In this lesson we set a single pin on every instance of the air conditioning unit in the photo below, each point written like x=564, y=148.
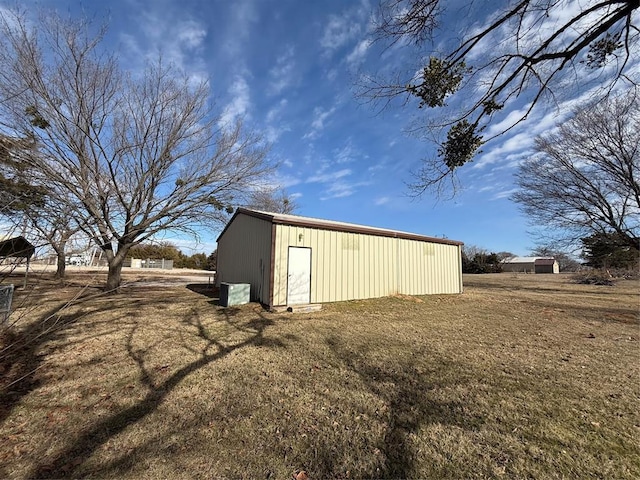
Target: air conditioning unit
x=234, y=294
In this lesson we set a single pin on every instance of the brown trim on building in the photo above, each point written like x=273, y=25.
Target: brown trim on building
x=338, y=227
x=544, y=261
x=460, y=268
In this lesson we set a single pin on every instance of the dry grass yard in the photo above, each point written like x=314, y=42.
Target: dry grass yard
x=521, y=376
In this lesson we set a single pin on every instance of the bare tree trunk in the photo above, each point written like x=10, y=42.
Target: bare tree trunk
x=115, y=261
x=114, y=277
x=59, y=248
x=62, y=265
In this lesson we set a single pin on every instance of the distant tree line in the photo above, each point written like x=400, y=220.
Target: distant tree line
x=168, y=251
x=599, y=250
x=479, y=260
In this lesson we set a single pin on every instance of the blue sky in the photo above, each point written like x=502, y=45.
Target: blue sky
x=288, y=68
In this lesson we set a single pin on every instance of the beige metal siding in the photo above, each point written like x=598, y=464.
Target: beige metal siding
x=427, y=268
x=244, y=255
x=347, y=266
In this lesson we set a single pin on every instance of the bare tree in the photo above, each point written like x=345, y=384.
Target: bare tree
x=54, y=227
x=524, y=50
x=31, y=204
x=136, y=154
x=585, y=178
x=271, y=200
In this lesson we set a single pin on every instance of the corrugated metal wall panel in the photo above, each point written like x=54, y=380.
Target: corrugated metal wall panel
x=346, y=266
x=244, y=255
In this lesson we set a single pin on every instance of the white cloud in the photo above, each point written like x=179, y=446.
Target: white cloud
x=342, y=189
x=338, y=190
x=282, y=74
x=338, y=31
x=337, y=185
x=381, y=201
x=318, y=123
x=242, y=22
x=178, y=38
x=273, y=133
x=347, y=154
x=322, y=177
x=343, y=29
x=275, y=112
x=286, y=181
x=571, y=87
x=510, y=148
x=504, y=194
x=240, y=104
x=520, y=143
x=358, y=53
x=275, y=125
x=512, y=117
x=191, y=34
x=377, y=167
x=321, y=116
x=332, y=74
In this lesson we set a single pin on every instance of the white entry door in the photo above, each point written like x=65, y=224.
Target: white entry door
x=299, y=276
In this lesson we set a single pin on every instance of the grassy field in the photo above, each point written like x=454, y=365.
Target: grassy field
x=521, y=376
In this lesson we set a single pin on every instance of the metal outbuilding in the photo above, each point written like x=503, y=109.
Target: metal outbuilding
x=293, y=260
x=531, y=265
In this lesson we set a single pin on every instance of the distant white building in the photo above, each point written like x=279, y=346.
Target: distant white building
x=531, y=265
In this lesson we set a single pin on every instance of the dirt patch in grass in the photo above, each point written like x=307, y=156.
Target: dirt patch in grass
x=520, y=376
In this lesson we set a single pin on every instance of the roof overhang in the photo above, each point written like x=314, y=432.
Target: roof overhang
x=18, y=247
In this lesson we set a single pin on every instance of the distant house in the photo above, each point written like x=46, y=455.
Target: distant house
x=531, y=265
x=292, y=260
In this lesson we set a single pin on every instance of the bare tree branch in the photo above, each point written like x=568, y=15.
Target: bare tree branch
x=485, y=76
x=270, y=199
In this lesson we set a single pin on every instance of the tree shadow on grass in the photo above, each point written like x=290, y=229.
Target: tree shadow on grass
x=411, y=394
x=70, y=460
x=206, y=289
x=22, y=355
